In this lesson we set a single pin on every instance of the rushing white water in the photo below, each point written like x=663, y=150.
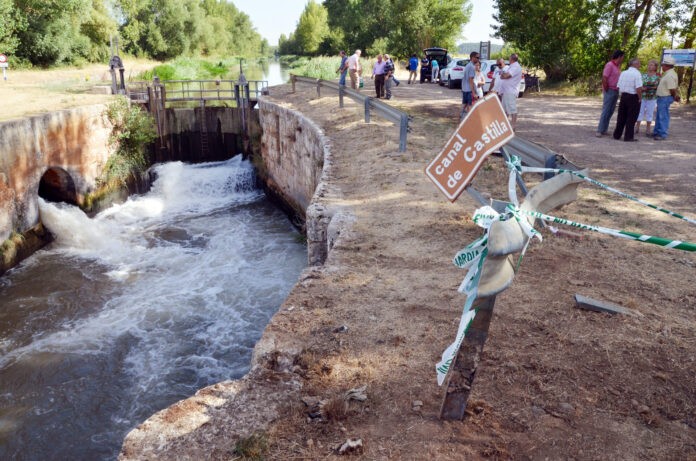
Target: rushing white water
x=141, y=305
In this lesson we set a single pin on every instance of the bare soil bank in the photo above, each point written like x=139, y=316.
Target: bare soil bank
x=555, y=382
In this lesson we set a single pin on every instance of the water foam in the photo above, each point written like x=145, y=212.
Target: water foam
x=196, y=276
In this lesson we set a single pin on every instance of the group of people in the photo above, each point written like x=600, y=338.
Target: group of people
x=639, y=96
x=382, y=73
x=505, y=83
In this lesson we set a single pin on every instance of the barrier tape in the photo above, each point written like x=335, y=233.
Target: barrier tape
x=472, y=258
x=515, y=165
x=667, y=243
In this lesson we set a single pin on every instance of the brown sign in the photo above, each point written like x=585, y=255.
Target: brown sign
x=484, y=129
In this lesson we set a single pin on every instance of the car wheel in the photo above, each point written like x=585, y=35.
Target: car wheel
x=441, y=82
x=450, y=85
x=521, y=94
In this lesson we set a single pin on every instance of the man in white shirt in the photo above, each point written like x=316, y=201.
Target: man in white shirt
x=500, y=68
x=631, y=87
x=509, y=87
x=354, y=69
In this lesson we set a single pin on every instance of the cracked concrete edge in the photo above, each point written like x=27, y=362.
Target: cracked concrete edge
x=250, y=404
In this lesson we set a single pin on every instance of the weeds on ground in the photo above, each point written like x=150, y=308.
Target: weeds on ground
x=252, y=448
x=8, y=248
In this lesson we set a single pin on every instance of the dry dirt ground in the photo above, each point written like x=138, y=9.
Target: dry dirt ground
x=28, y=92
x=555, y=382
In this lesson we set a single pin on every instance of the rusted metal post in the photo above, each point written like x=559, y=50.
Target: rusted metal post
x=463, y=371
x=340, y=96
x=292, y=80
x=318, y=88
x=367, y=110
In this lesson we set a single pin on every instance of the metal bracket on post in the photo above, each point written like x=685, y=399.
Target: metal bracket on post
x=340, y=96
x=403, y=132
x=518, y=177
x=463, y=370
x=367, y=110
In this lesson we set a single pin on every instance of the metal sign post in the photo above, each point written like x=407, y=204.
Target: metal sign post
x=485, y=50
x=4, y=65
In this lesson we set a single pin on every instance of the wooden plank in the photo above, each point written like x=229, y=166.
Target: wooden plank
x=583, y=302
x=463, y=371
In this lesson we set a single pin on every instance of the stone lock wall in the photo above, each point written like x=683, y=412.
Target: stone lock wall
x=297, y=166
x=74, y=140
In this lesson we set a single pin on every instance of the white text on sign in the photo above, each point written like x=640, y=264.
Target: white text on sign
x=484, y=130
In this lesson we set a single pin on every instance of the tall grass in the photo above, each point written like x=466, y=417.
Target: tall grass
x=323, y=67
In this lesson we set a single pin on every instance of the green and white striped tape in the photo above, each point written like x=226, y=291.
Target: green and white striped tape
x=515, y=165
x=667, y=243
x=472, y=258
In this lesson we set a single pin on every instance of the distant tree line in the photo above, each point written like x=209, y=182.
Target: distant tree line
x=574, y=38
x=45, y=33
x=399, y=27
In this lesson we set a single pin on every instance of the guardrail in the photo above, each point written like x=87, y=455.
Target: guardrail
x=370, y=104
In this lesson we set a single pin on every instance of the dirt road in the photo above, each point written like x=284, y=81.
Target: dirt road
x=554, y=382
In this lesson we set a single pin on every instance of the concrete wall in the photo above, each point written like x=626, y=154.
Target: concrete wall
x=75, y=140
x=181, y=134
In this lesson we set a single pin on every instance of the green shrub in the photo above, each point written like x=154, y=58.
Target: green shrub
x=252, y=448
x=132, y=131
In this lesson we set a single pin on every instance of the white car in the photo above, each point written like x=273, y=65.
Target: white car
x=452, y=73
x=488, y=67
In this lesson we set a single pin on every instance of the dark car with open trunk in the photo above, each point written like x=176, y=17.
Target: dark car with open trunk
x=438, y=54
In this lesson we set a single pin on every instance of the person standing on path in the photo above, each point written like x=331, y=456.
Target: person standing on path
x=354, y=69
x=424, y=64
x=500, y=67
x=435, y=70
x=610, y=77
x=469, y=85
x=343, y=69
x=480, y=80
x=666, y=95
x=648, y=101
x=412, y=69
x=378, y=75
x=630, y=86
x=510, y=87
x=389, y=75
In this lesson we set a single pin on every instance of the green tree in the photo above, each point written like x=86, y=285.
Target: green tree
x=408, y=25
x=11, y=24
x=312, y=28
x=549, y=34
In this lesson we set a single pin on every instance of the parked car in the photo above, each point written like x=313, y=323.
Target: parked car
x=488, y=67
x=452, y=74
x=438, y=54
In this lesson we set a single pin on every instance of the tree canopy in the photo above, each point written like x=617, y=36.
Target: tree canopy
x=45, y=33
x=574, y=38
x=400, y=27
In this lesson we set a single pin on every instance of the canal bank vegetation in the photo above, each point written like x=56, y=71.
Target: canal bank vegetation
x=74, y=32
x=133, y=130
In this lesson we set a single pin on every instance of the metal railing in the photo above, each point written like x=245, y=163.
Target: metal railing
x=199, y=90
x=370, y=104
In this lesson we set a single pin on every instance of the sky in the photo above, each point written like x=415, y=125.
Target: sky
x=275, y=17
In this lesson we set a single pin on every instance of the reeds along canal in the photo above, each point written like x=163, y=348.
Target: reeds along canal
x=128, y=312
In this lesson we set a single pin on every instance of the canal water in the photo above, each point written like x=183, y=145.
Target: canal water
x=137, y=308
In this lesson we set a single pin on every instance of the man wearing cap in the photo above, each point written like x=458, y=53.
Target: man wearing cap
x=630, y=86
x=666, y=95
x=610, y=77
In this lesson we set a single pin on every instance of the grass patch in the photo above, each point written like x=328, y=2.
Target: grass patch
x=586, y=86
x=252, y=448
x=8, y=249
